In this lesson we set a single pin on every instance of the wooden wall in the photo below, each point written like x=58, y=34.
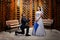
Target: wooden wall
x=7, y=12
x=56, y=14
x=2, y=14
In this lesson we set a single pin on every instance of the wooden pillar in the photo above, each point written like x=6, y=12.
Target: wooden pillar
x=15, y=9
x=21, y=9
x=31, y=13
x=35, y=5
x=49, y=9
x=12, y=9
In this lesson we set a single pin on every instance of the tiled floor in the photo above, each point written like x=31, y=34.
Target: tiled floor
x=50, y=35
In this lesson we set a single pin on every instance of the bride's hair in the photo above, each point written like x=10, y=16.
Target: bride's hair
x=39, y=7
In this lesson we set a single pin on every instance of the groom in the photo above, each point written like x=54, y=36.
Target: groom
x=24, y=25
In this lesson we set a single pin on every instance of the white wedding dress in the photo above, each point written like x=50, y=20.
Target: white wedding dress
x=40, y=30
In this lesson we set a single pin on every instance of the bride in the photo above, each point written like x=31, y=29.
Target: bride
x=38, y=18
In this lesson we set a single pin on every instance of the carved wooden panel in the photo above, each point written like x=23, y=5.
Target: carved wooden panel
x=26, y=7
x=45, y=9
x=18, y=13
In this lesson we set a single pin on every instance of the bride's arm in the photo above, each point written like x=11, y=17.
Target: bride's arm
x=39, y=17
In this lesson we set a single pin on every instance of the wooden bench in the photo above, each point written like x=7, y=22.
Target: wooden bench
x=12, y=24
x=47, y=22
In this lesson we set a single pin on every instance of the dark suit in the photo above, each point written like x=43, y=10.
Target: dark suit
x=24, y=25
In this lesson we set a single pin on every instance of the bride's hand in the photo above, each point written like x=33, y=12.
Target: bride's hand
x=36, y=20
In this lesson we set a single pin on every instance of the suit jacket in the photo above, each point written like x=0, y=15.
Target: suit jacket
x=24, y=21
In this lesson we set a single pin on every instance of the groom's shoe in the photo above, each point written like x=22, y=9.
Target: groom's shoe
x=27, y=35
x=15, y=32
x=21, y=33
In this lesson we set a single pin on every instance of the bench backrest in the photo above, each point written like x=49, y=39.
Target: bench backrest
x=12, y=22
